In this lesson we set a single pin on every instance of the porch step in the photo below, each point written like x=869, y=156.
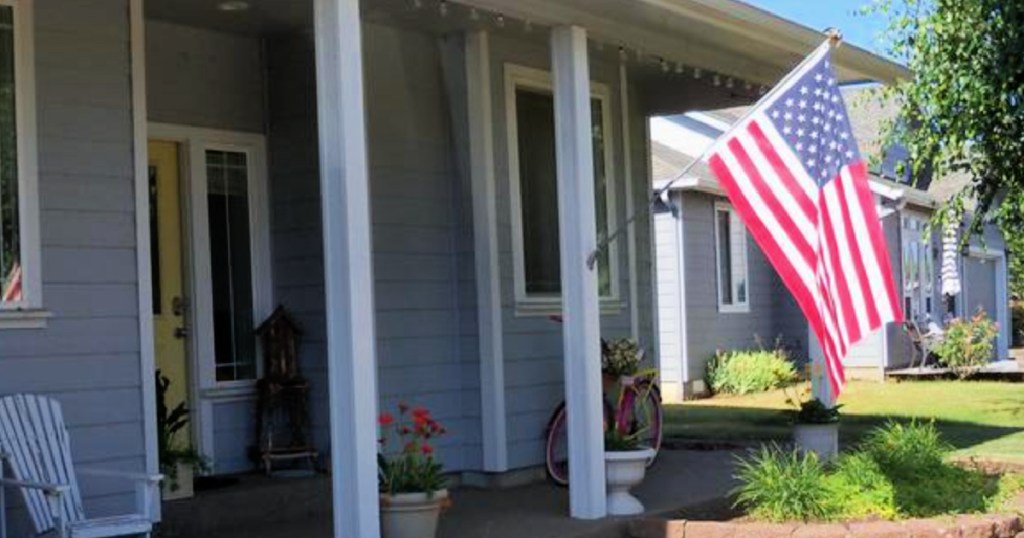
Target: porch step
x=253, y=502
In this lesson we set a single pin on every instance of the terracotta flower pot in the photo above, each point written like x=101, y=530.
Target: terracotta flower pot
x=411, y=515
x=623, y=471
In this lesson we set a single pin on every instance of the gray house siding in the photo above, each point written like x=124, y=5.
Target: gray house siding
x=710, y=330
x=88, y=355
x=533, y=344
x=204, y=78
x=420, y=282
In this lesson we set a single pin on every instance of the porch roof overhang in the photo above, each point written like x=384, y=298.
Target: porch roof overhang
x=725, y=36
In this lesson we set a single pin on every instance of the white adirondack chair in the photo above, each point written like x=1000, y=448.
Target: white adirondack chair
x=35, y=448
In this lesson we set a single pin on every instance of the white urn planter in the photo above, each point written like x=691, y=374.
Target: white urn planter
x=821, y=439
x=411, y=515
x=623, y=471
x=180, y=487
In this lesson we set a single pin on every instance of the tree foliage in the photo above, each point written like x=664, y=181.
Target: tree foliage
x=962, y=112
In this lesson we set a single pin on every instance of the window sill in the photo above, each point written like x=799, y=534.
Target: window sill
x=536, y=307
x=231, y=390
x=724, y=309
x=30, y=318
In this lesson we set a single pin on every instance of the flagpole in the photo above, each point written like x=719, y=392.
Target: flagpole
x=833, y=40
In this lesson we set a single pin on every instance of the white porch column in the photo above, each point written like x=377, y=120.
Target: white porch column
x=577, y=232
x=344, y=195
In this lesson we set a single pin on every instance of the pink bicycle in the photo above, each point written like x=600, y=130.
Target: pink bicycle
x=637, y=402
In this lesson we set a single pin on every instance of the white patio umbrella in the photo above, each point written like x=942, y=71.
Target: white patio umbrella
x=950, y=268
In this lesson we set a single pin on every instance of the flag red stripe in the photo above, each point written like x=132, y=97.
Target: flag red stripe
x=772, y=250
x=858, y=172
x=871, y=307
x=790, y=182
x=837, y=275
x=772, y=202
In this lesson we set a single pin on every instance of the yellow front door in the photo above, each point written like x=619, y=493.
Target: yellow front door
x=170, y=305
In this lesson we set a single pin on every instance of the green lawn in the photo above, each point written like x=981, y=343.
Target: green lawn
x=983, y=419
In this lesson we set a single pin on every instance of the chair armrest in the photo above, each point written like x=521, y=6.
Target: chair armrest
x=49, y=489
x=125, y=475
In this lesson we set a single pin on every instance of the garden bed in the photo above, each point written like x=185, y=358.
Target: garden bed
x=966, y=526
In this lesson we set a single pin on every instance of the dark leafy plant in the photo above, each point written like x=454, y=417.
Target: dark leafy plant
x=169, y=423
x=808, y=410
x=412, y=468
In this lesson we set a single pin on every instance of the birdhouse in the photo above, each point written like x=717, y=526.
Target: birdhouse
x=279, y=334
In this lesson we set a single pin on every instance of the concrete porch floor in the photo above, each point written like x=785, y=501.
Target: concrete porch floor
x=679, y=479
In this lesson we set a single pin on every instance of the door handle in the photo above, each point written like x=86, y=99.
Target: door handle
x=181, y=332
x=179, y=305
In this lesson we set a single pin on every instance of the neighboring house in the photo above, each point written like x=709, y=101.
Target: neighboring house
x=716, y=290
x=174, y=169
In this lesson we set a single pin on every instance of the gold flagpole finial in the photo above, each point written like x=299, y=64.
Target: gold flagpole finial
x=835, y=37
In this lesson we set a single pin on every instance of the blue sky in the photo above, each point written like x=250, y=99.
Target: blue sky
x=820, y=14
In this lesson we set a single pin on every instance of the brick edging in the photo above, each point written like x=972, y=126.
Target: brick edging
x=967, y=526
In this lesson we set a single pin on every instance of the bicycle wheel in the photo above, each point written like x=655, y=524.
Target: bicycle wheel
x=556, y=444
x=647, y=415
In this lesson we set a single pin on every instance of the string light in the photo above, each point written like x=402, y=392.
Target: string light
x=679, y=68
x=728, y=83
x=696, y=73
x=473, y=14
x=762, y=90
x=500, y=20
x=443, y=8
x=717, y=80
x=747, y=85
x=664, y=66
x=623, y=55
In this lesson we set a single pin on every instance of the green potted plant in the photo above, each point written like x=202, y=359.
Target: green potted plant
x=815, y=427
x=412, y=487
x=178, y=463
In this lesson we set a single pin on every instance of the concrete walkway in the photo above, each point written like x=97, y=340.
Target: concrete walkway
x=679, y=479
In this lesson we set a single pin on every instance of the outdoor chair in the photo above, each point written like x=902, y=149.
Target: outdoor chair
x=35, y=447
x=922, y=344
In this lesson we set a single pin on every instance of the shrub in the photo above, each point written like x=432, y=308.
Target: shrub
x=899, y=470
x=778, y=485
x=860, y=489
x=913, y=457
x=745, y=372
x=967, y=345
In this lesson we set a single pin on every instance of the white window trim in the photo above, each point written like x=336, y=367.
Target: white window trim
x=517, y=76
x=27, y=313
x=923, y=236
x=736, y=307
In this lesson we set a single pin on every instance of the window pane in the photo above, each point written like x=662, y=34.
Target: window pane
x=10, y=234
x=738, y=247
x=535, y=125
x=231, y=265
x=535, y=122
x=724, y=257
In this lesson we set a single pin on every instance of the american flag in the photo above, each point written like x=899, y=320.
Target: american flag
x=794, y=174
x=12, y=291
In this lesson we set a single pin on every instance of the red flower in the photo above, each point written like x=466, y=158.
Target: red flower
x=385, y=419
x=427, y=449
x=420, y=413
